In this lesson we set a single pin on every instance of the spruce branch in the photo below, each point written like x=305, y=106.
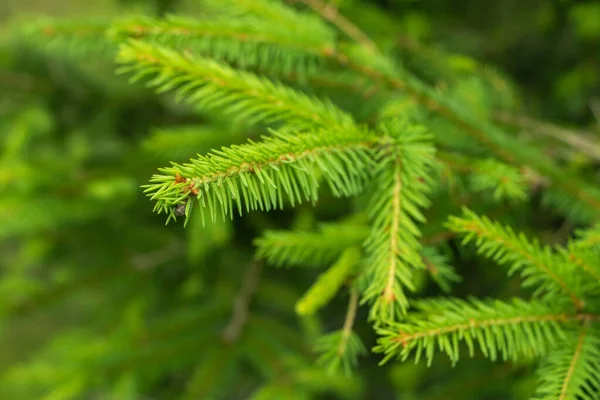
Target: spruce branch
x=486, y=134
x=511, y=330
x=247, y=43
x=75, y=38
x=309, y=248
x=217, y=87
x=572, y=370
x=538, y=265
x=393, y=245
x=258, y=175
x=583, y=253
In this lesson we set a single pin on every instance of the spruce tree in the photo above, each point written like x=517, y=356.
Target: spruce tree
x=334, y=210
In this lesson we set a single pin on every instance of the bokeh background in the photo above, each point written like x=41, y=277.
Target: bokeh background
x=99, y=300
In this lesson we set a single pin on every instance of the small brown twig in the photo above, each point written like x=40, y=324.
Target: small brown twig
x=331, y=14
x=241, y=304
x=154, y=258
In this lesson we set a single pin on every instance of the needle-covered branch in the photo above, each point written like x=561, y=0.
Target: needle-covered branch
x=572, y=371
x=511, y=330
x=247, y=43
x=288, y=166
x=217, y=87
x=399, y=195
x=291, y=248
x=539, y=266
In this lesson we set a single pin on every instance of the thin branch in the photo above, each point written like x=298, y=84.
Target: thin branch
x=242, y=303
x=437, y=238
x=20, y=81
x=154, y=258
x=331, y=14
x=431, y=268
x=579, y=140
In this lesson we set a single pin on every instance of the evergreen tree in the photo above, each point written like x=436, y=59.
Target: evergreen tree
x=334, y=208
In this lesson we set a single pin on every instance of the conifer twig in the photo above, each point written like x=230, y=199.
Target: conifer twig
x=574, y=360
x=494, y=240
x=330, y=13
x=405, y=338
x=242, y=302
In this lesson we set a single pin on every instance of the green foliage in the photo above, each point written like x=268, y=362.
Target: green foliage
x=512, y=331
x=256, y=175
x=310, y=248
x=382, y=163
x=438, y=267
x=562, y=328
x=215, y=86
x=394, y=210
x=247, y=42
x=503, y=180
x=538, y=266
x=572, y=370
x=341, y=350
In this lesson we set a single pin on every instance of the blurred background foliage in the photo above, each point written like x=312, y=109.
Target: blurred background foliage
x=98, y=299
